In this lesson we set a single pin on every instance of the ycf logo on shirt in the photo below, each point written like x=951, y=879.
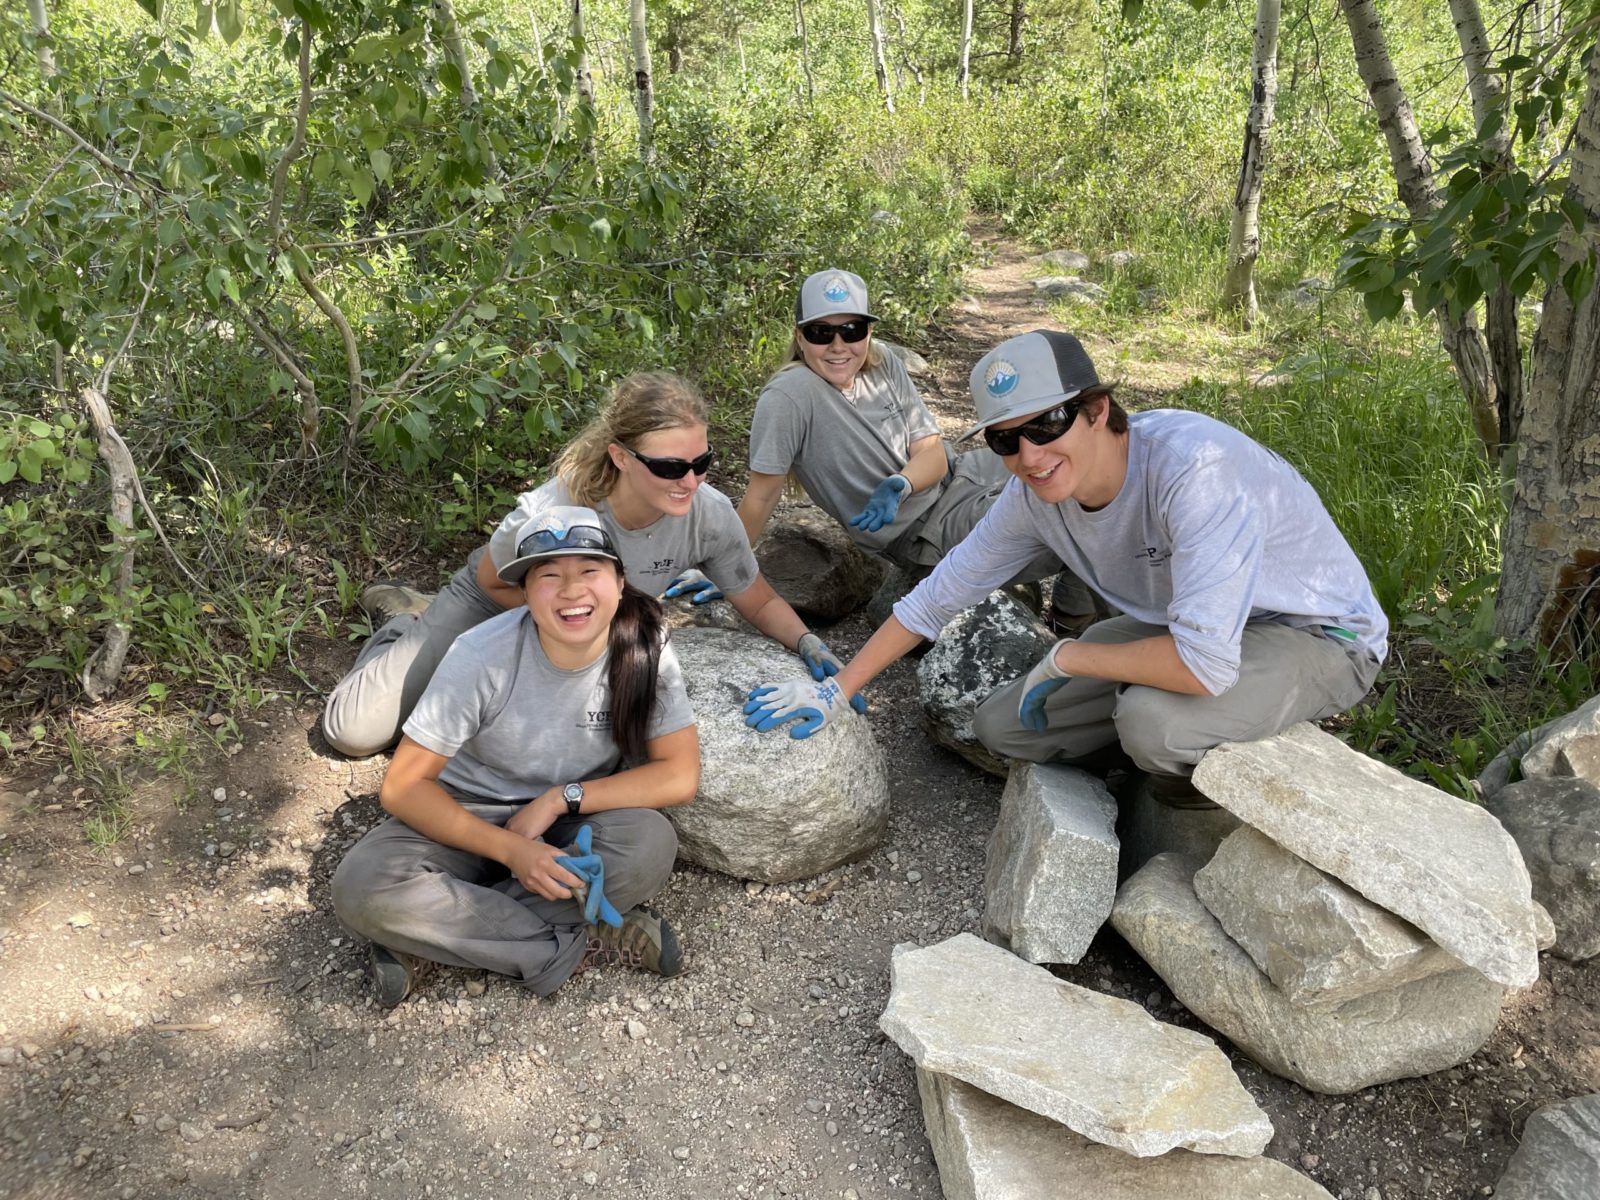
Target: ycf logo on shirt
x=595, y=720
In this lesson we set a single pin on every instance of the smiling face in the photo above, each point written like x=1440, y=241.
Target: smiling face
x=640, y=496
x=1087, y=463
x=839, y=362
x=572, y=600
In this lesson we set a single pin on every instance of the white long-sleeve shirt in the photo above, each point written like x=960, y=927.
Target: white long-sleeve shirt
x=1209, y=530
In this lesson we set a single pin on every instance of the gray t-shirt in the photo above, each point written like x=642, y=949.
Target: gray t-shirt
x=1210, y=530
x=841, y=447
x=513, y=725
x=709, y=538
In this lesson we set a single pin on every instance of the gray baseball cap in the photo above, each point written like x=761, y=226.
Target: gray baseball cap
x=1028, y=374
x=831, y=293
x=557, y=532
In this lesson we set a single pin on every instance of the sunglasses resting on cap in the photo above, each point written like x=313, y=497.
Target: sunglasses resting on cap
x=558, y=533
x=673, y=468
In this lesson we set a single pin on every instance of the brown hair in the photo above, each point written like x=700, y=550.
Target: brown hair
x=1116, y=417
x=641, y=403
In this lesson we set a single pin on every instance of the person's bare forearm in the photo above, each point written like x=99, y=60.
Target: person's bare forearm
x=770, y=613
x=1152, y=662
x=892, y=642
x=761, y=495
x=927, y=464
x=433, y=812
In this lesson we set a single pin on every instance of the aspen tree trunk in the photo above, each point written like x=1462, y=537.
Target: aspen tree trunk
x=1244, y=234
x=1413, y=177
x=584, y=79
x=42, y=53
x=964, y=71
x=905, y=55
x=1500, y=305
x=880, y=64
x=805, y=48
x=1548, y=580
x=1019, y=17
x=538, y=38
x=644, y=93
x=104, y=668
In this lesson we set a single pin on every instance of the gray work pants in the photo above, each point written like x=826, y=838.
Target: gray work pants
x=1285, y=675
x=367, y=708
x=410, y=893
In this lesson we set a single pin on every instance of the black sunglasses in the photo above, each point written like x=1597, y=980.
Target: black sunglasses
x=819, y=334
x=674, y=468
x=1041, y=431
x=577, y=540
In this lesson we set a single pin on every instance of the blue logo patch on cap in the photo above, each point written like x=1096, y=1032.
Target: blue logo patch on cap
x=837, y=291
x=1000, y=379
x=553, y=526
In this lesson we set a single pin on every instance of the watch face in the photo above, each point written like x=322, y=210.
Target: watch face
x=573, y=791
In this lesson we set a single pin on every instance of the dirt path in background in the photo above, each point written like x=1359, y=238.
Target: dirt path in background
x=181, y=1016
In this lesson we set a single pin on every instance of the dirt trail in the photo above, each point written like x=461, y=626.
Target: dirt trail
x=181, y=1016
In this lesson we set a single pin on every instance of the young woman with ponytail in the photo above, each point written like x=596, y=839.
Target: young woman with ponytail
x=563, y=721
x=641, y=465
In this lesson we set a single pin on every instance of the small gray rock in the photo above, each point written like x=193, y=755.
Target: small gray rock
x=1556, y=823
x=1062, y=260
x=1559, y=1158
x=1070, y=287
x=193, y=1131
x=913, y=362
x=1579, y=759
x=1534, y=753
x=1120, y=260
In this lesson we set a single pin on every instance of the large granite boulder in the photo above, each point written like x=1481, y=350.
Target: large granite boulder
x=1319, y=942
x=1535, y=752
x=1414, y=1029
x=1101, y=1066
x=1556, y=823
x=1559, y=1158
x=771, y=808
x=991, y=643
x=1051, y=872
x=987, y=1149
x=1443, y=864
x=812, y=563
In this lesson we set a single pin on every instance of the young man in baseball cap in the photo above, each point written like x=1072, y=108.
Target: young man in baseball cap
x=1243, y=609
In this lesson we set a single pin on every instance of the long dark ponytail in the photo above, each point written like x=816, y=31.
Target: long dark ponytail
x=638, y=632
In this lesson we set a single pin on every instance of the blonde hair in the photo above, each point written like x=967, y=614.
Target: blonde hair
x=795, y=358
x=638, y=404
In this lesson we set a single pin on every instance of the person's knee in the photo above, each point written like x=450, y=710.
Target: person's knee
x=996, y=724
x=351, y=735
x=640, y=846
x=1149, y=726
x=356, y=901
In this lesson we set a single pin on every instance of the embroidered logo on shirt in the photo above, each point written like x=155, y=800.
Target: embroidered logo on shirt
x=837, y=290
x=1155, y=555
x=596, y=722
x=661, y=564
x=1000, y=378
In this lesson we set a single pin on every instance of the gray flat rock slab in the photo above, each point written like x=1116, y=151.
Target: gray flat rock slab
x=1443, y=864
x=987, y=1149
x=1414, y=1029
x=1098, y=1065
x=1556, y=823
x=1320, y=942
x=1559, y=1158
x=771, y=808
x=1534, y=753
x=1051, y=873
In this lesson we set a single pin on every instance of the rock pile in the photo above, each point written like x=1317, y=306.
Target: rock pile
x=770, y=808
x=1025, y=1078
x=1360, y=927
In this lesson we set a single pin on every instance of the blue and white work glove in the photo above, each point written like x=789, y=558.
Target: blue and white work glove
x=1044, y=679
x=883, y=504
x=816, y=704
x=819, y=660
x=695, y=585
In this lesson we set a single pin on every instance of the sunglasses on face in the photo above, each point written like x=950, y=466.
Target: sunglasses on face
x=674, y=468
x=579, y=539
x=822, y=335
x=1041, y=431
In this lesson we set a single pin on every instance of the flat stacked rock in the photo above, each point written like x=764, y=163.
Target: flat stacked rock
x=1033, y=1088
x=812, y=563
x=1051, y=873
x=771, y=808
x=989, y=644
x=1360, y=927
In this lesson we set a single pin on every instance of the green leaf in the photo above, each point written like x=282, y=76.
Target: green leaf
x=29, y=462
x=153, y=7
x=381, y=164
x=1131, y=10
x=8, y=469
x=450, y=78
x=369, y=49
x=230, y=21
x=361, y=185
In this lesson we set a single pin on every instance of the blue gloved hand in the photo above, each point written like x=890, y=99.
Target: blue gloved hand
x=695, y=585
x=816, y=704
x=1044, y=679
x=883, y=504
x=587, y=866
x=822, y=663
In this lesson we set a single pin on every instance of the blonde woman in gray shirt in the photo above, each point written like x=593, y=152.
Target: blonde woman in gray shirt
x=641, y=465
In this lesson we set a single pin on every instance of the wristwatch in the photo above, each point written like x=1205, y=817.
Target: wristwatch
x=573, y=795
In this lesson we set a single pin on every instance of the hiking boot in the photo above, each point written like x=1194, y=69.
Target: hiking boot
x=387, y=599
x=394, y=974
x=1179, y=791
x=645, y=942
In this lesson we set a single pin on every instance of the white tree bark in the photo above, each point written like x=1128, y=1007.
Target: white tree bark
x=104, y=668
x=1500, y=305
x=805, y=49
x=584, y=80
x=1413, y=176
x=1550, y=577
x=644, y=93
x=964, y=71
x=42, y=53
x=880, y=64
x=1244, y=233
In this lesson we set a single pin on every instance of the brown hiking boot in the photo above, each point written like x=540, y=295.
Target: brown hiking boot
x=386, y=599
x=645, y=942
x=395, y=973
